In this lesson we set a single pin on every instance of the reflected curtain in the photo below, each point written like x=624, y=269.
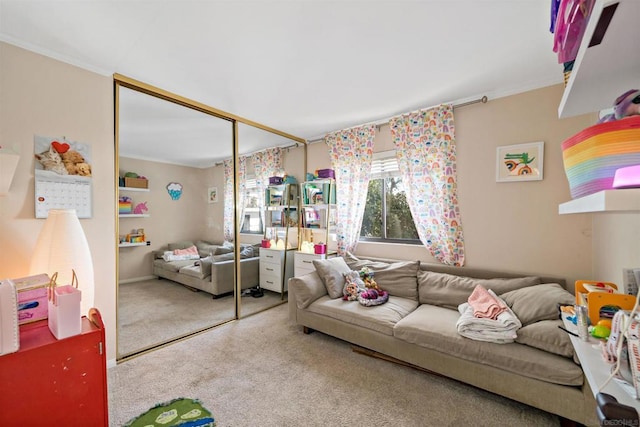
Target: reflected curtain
x=351, y=153
x=266, y=163
x=228, y=195
x=426, y=154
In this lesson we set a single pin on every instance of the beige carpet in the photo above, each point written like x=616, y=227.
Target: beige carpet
x=158, y=310
x=263, y=371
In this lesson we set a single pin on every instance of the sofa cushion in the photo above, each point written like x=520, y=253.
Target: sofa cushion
x=331, y=272
x=450, y=291
x=535, y=303
x=205, y=248
x=379, y=318
x=246, y=251
x=180, y=245
x=398, y=278
x=546, y=336
x=174, y=266
x=307, y=290
x=224, y=257
x=194, y=271
x=434, y=327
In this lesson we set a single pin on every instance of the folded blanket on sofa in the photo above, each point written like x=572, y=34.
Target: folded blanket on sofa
x=484, y=304
x=500, y=330
x=169, y=256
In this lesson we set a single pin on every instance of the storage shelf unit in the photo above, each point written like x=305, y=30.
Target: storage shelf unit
x=605, y=71
x=317, y=212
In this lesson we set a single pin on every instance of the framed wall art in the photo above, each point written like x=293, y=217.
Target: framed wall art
x=212, y=195
x=520, y=162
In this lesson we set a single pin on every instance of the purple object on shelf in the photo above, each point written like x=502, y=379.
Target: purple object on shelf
x=275, y=180
x=627, y=177
x=326, y=173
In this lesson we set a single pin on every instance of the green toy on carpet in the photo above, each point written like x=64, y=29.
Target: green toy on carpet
x=181, y=412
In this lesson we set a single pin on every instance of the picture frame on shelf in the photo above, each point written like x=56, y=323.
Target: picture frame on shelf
x=520, y=162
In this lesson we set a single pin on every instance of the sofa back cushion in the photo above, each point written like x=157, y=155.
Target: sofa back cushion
x=536, y=303
x=397, y=278
x=450, y=291
x=180, y=245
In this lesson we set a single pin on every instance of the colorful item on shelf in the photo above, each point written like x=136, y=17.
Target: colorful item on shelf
x=592, y=156
x=571, y=22
x=326, y=173
x=627, y=104
x=628, y=177
x=124, y=205
x=275, y=180
x=140, y=208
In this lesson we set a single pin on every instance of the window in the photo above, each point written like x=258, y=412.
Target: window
x=252, y=223
x=387, y=216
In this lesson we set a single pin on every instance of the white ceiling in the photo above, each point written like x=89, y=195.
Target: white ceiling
x=303, y=67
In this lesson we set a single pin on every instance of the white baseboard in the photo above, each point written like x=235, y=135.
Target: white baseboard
x=111, y=363
x=137, y=279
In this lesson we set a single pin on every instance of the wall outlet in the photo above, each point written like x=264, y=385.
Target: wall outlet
x=630, y=279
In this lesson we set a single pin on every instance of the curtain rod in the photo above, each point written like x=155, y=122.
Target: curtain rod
x=386, y=121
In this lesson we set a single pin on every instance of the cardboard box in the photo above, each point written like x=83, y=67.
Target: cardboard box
x=136, y=182
x=32, y=298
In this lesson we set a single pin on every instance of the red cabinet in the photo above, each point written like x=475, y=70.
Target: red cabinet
x=56, y=382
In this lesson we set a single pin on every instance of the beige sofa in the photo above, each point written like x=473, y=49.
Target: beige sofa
x=213, y=271
x=417, y=325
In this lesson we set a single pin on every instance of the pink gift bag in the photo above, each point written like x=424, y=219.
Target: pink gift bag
x=65, y=319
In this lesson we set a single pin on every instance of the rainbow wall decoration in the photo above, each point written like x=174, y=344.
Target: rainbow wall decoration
x=592, y=156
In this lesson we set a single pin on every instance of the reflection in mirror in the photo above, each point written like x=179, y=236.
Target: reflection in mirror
x=172, y=259
x=268, y=212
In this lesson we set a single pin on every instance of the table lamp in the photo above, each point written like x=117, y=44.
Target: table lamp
x=63, y=248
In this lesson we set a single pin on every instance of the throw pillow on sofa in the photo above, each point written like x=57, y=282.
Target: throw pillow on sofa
x=546, y=336
x=450, y=291
x=331, y=272
x=535, y=303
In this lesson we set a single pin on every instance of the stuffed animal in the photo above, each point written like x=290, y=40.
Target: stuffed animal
x=627, y=104
x=366, y=274
x=353, y=286
x=371, y=297
x=51, y=161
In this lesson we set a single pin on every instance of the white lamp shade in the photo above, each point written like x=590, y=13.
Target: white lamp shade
x=63, y=248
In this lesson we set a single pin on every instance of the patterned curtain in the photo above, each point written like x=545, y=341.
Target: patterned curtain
x=426, y=153
x=228, y=195
x=266, y=164
x=351, y=152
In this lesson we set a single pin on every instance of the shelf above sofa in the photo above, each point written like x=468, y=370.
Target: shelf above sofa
x=606, y=70
x=621, y=200
x=133, y=215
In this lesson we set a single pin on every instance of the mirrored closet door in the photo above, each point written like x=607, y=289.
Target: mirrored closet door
x=186, y=177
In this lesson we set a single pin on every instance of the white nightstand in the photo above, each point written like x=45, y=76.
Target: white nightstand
x=304, y=262
x=275, y=269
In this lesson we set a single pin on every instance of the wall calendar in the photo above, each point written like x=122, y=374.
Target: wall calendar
x=62, y=176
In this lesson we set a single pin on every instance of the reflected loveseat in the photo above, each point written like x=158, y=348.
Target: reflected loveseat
x=213, y=269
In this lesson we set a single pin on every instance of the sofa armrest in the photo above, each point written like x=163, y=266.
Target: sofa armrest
x=306, y=289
